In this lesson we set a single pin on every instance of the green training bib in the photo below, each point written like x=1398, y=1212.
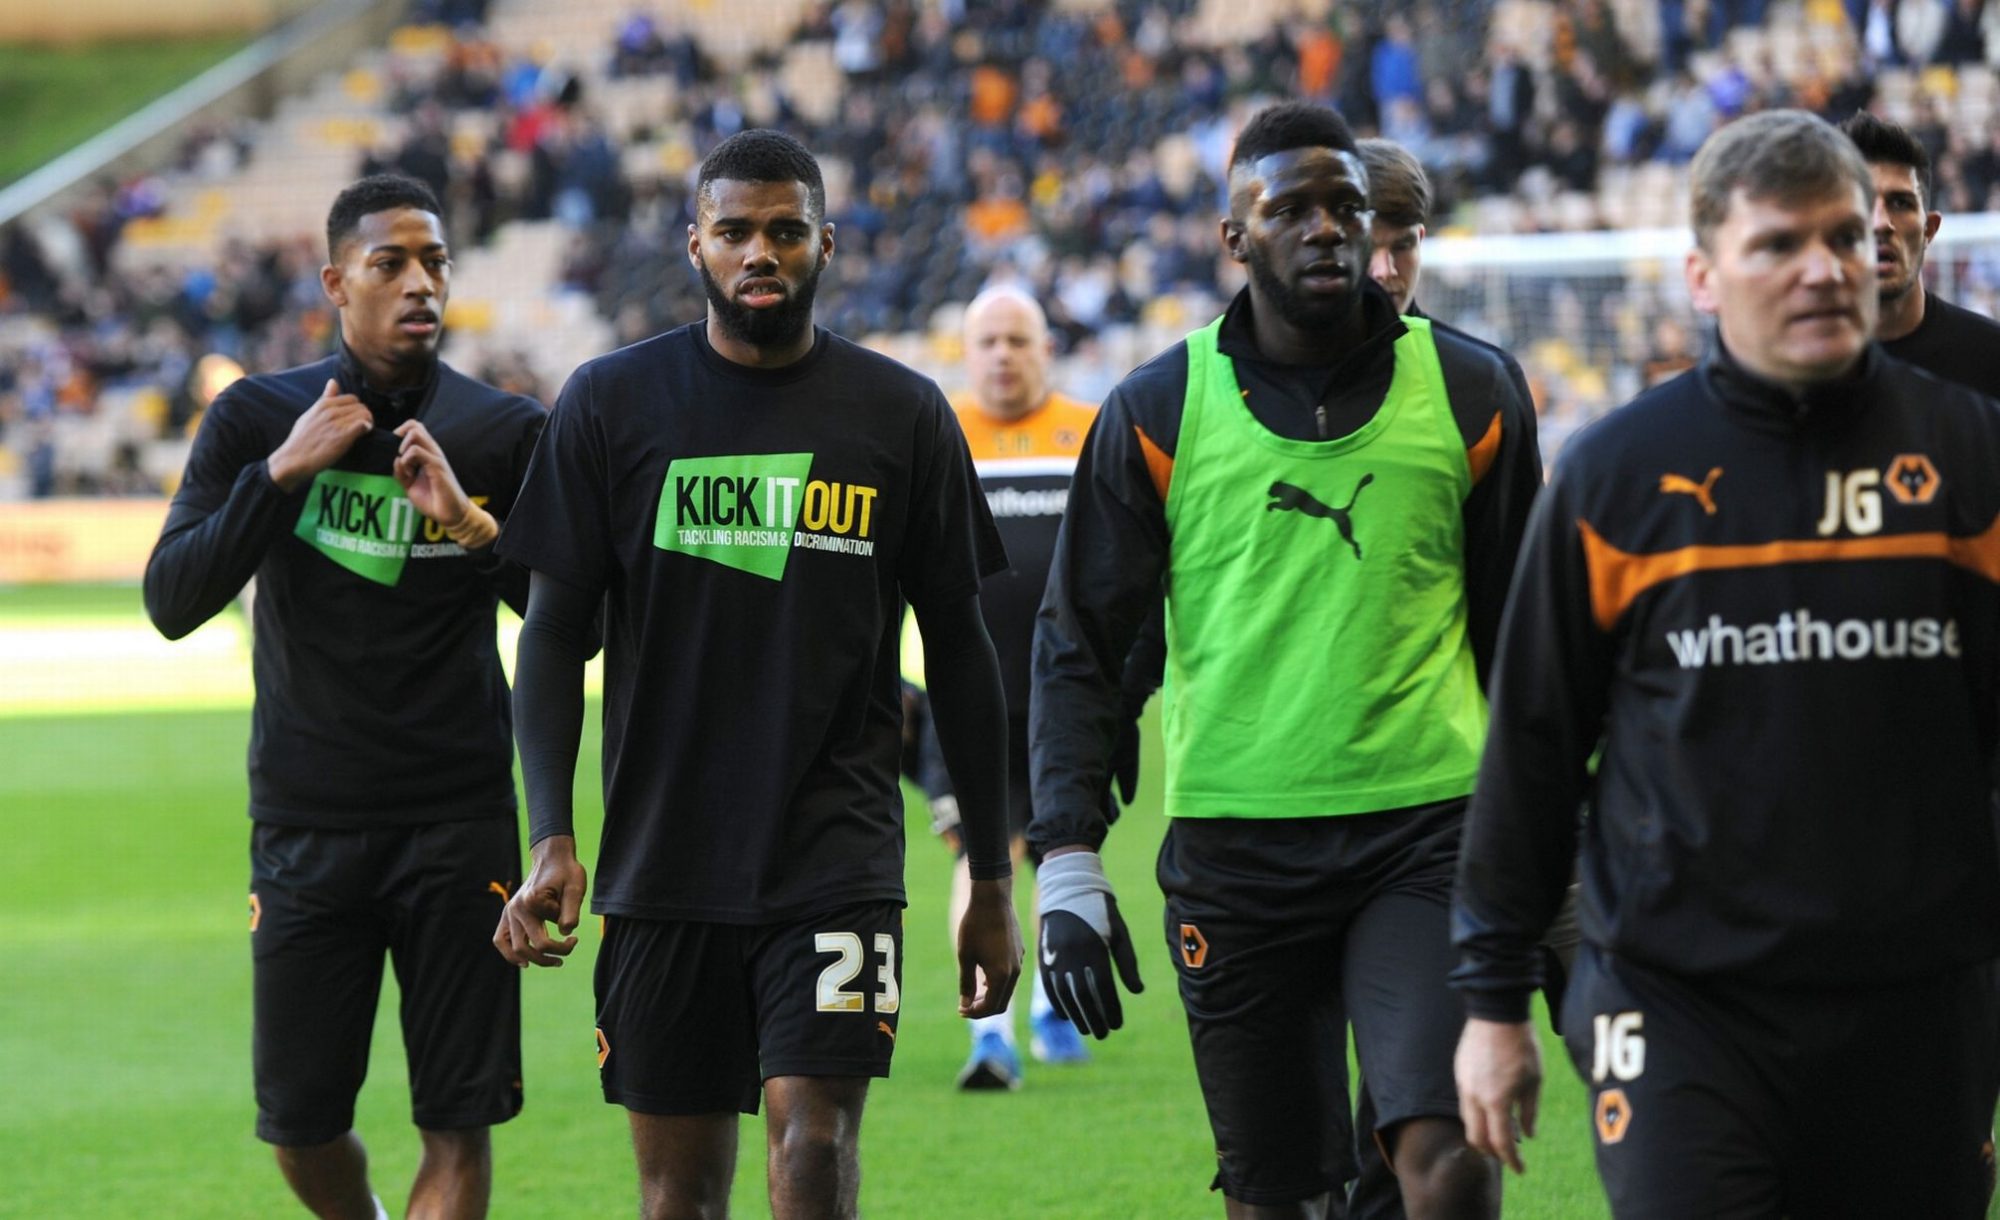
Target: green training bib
x=1317, y=656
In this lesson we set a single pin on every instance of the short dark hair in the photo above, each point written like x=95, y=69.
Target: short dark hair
x=375, y=193
x=1783, y=155
x=1884, y=143
x=1398, y=188
x=763, y=155
x=1290, y=125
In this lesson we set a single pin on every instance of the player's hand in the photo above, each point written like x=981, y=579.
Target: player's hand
x=319, y=438
x=989, y=950
x=1083, y=935
x=427, y=479
x=553, y=891
x=1499, y=1070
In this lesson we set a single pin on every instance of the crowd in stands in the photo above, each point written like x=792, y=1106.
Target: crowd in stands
x=1075, y=149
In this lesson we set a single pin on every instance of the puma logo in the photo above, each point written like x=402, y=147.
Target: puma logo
x=1285, y=497
x=884, y=1027
x=498, y=888
x=1703, y=492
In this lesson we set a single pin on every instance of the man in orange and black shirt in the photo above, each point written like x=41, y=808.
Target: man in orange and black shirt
x=1024, y=438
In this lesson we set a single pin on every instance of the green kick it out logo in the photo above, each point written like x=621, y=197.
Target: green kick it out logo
x=363, y=522
x=751, y=512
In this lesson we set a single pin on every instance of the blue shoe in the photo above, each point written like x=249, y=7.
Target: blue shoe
x=1056, y=1041
x=994, y=1065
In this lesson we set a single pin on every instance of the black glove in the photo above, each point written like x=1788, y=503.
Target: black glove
x=1082, y=937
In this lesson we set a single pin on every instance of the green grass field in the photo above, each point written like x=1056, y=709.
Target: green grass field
x=57, y=97
x=125, y=1011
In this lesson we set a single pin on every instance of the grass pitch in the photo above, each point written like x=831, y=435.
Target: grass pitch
x=57, y=97
x=125, y=1012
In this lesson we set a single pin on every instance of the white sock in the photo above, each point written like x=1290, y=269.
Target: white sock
x=998, y=1023
x=1038, y=1001
x=381, y=1212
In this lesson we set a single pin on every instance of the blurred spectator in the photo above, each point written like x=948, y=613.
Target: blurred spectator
x=1920, y=28
x=857, y=33
x=1392, y=66
x=426, y=155
x=1875, y=21
x=1691, y=116
x=1509, y=106
x=1964, y=38
x=510, y=371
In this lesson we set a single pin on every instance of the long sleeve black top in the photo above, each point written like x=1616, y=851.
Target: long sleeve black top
x=380, y=697
x=1778, y=616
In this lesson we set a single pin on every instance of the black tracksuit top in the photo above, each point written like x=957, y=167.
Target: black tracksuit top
x=1778, y=615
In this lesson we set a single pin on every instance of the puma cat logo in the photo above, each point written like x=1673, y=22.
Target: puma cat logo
x=1678, y=484
x=1286, y=497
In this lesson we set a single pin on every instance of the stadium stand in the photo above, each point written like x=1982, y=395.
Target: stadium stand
x=1073, y=147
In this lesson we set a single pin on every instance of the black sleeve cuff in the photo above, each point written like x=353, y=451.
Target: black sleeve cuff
x=1065, y=832
x=1509, y=1005
x=547, y=826
x=990, y=872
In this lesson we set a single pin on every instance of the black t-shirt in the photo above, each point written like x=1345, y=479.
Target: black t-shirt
x=754, y=532
x=1955, y=344
x=380, y=697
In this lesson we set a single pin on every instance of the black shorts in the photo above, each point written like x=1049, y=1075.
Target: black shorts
x=1718, y=1099
x=325, y=906
x=692, y=1018
x=1284, y=931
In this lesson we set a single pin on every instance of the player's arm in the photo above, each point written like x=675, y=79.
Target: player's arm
x=556, y=640
x=1497, y=419
x=233, y=504
x=1550, y=689
x=969, y=709
x=1104, y=581
x=560, y=529
x=950, y=546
